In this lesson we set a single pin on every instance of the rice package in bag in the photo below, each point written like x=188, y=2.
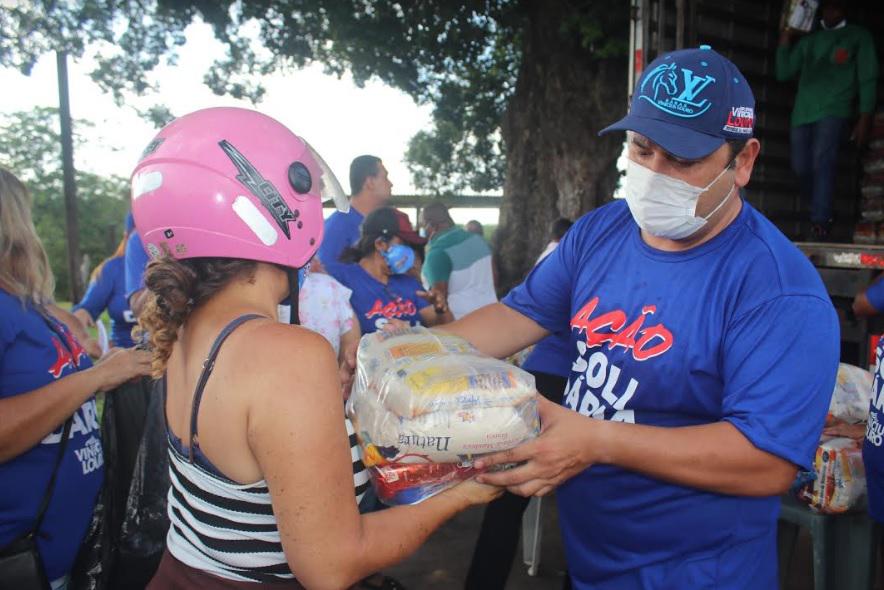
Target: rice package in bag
x=852, y=394
x=426, y=404
x=840, y=483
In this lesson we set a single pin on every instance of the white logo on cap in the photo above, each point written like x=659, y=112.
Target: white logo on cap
x=663, y=88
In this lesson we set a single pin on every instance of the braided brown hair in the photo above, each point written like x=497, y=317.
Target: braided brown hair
x=175, y=288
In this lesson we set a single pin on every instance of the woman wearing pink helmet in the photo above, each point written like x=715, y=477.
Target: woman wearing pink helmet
x=228, y=203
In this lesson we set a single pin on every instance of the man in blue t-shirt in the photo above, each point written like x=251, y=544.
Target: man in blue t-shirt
x=870, y=302
x=370, y=189
x=703, y=353
x=873, y=446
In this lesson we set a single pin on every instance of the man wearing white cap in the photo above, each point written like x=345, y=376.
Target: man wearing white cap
x=703, y=351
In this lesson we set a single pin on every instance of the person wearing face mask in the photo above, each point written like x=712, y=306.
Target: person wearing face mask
x=376, y=271
x=834, y=65
x=703, y=350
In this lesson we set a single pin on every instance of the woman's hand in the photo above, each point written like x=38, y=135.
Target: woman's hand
x=85, y=317
x=393, y=324
x=347, y=370
x=120, y=365
x=92, y=347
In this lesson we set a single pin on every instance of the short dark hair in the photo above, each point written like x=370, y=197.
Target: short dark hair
x=842, y=4
x=559, y=227
x=475, y=224
x=436, y=212
x=360, y=169
x=736, y=146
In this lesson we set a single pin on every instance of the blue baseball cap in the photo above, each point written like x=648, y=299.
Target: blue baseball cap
x=689, y=102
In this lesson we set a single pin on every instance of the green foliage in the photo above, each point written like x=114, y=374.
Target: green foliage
x=32, y=150
x=461, y=57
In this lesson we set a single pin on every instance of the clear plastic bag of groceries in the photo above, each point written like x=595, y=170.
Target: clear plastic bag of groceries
x=426, y=405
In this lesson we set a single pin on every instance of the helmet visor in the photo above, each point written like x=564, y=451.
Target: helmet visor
x=329, y=187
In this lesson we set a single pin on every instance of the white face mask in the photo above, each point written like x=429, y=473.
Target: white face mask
x=664, y=206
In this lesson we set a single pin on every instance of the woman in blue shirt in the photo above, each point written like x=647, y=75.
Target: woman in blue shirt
x=107, y=290
x=376, y=274
x=46, y=378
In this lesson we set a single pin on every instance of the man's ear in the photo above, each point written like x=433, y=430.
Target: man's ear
x=369, y=183
x=745, y=162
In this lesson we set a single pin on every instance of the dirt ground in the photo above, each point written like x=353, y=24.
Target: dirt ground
x=442, y=563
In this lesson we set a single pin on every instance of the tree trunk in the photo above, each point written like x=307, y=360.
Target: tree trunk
x=557, y=166
x=72, y=224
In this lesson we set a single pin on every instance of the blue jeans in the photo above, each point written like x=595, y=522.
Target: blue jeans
x=814, y=155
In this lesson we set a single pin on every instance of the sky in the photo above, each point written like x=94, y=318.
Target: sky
x=339, y=119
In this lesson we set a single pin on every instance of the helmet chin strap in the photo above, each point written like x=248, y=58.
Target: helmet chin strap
x=294, y=319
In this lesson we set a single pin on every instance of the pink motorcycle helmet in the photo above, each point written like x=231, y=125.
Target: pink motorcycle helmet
x=232, y=183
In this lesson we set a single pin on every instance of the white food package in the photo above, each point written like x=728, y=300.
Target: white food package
x=422, y=397
x=840, y=483
x=801, y=14
x=852, y=394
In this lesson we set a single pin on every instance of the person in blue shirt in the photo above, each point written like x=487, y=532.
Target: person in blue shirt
x=375, y=270
x=703, y=353
x=107, y=290
x=498, y=538
x=870, y=301
x=370, y=188
x=46, y=378
x=873, y=447
x=135, y=261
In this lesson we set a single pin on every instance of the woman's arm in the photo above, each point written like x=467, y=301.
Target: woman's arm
x=431, y=317
x=84, y=316
x=347, y=356
x=297, y=435
x=96, y=299
x=29, y=417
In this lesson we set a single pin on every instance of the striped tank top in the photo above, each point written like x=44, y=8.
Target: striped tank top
x=222, y=527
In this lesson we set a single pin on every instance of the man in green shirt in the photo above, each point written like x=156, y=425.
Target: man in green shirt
x=834, y=65
x=458, y=263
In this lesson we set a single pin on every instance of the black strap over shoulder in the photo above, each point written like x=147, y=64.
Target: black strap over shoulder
x=208, y=366
x=50, y=487
x=65, y=434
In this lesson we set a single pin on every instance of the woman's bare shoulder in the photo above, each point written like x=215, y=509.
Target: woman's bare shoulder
x=278, y=358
